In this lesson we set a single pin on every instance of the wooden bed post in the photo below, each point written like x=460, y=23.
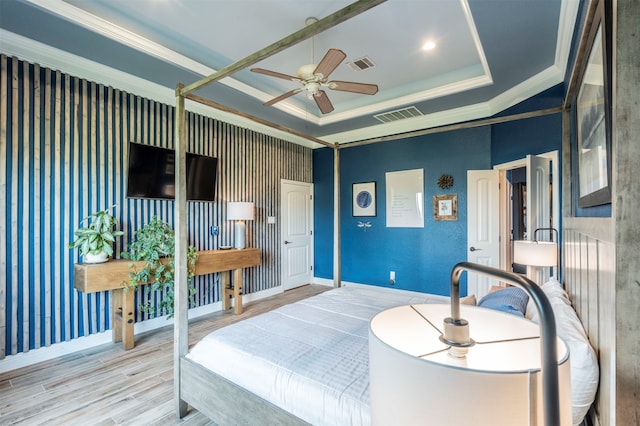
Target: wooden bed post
x=337, y=265
x=181, y=304
x=181, y=298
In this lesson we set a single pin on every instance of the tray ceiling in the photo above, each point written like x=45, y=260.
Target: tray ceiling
x=488, y=54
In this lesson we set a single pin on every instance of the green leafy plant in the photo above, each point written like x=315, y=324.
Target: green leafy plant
x=98, y=236
x=155, y=245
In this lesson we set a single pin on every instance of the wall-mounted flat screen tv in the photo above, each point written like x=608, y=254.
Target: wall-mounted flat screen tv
x=151, y=174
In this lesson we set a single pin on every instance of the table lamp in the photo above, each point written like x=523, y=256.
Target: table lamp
x=240, y=211
x=537, y=253
x=428, y=365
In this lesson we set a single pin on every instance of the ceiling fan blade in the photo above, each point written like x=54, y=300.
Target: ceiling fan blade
x=329, y=62
x=350, y=86
x=283, y=96
x=274, y=74
x=323, y=102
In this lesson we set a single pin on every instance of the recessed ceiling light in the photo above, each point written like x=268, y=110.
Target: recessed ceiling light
x=429, y=45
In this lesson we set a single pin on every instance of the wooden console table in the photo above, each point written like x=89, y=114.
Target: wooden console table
x=91, y=278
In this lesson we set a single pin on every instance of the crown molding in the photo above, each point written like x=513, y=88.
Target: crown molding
x=68, y=63
x=527, y=89
x=119, y=34
x=449, y=89
x=531, y=87
x=456, y=115
x=568, y=15
x=151, y=48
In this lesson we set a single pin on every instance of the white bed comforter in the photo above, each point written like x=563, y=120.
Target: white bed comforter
x=310, y=358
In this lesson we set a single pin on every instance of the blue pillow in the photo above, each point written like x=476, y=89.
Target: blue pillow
x=511, y=299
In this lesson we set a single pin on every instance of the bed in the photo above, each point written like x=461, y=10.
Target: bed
x=324, y=367
x=308, y=362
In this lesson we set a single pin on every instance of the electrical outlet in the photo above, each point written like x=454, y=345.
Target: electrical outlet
x=392, y=277
x=214, y=230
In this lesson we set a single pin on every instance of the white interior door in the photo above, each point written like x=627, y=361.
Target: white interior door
x=538, y=207
x=483, y=234
x=296, y=233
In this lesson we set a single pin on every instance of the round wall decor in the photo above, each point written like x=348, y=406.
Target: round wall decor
x=445, y=181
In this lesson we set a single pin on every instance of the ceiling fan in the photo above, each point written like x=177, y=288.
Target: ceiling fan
x=314, y=77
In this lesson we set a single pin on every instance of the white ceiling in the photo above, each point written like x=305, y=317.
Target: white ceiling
x=489, y=55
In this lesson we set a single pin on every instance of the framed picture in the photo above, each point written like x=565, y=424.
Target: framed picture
x=404, y=190
x=445, y=207
x=592, y=123
x=364, y=199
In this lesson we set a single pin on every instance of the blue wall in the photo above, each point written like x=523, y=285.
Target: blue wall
x=323, y=212
x=422, y=258
x=513, y=140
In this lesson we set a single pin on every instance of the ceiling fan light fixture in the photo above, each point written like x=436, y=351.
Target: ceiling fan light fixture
x=305, y=72
x=312, y=89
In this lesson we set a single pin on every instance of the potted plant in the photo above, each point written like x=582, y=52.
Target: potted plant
x=155, y=245
x=95, y=241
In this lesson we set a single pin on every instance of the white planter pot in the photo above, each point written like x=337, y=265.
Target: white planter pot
x=95, y=258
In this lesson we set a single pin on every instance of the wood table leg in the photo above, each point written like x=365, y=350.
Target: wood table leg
x=116, y=314
x=225, y=282
x=237, y=291
x=122, y=319
x=128, y=321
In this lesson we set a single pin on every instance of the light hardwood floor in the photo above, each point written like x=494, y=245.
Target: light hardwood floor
x=107, y=385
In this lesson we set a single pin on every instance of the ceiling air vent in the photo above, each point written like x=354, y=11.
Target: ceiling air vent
x=361, y=64
x=399, y=114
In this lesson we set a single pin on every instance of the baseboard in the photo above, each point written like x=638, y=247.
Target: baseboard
x=323, y=281
x=329, y=282
x=35, y=356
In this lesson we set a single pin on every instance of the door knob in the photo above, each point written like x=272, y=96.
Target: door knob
x=287, y=242
x=474, y=249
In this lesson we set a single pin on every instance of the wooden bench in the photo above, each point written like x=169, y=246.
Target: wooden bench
x=111, y=276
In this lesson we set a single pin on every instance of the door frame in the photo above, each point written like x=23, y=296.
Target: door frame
x=311, y=259
x=505, y=227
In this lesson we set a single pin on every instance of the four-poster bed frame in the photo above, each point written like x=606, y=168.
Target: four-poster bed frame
x=214, y=396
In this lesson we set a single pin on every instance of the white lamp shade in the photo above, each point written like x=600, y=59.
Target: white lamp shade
x=240, y=211
x=535, y=253
x=414, y=381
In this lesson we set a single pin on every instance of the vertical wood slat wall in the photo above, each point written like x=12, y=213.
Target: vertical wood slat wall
x=589, y=277
x=63, y=155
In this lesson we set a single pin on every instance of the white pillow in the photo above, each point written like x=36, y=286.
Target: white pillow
x=583, y=361
x=554, y=292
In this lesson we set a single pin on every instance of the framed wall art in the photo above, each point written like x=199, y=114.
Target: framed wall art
x=445, y=207
x=592, y=123
x=405, y=198
x=364, y=199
